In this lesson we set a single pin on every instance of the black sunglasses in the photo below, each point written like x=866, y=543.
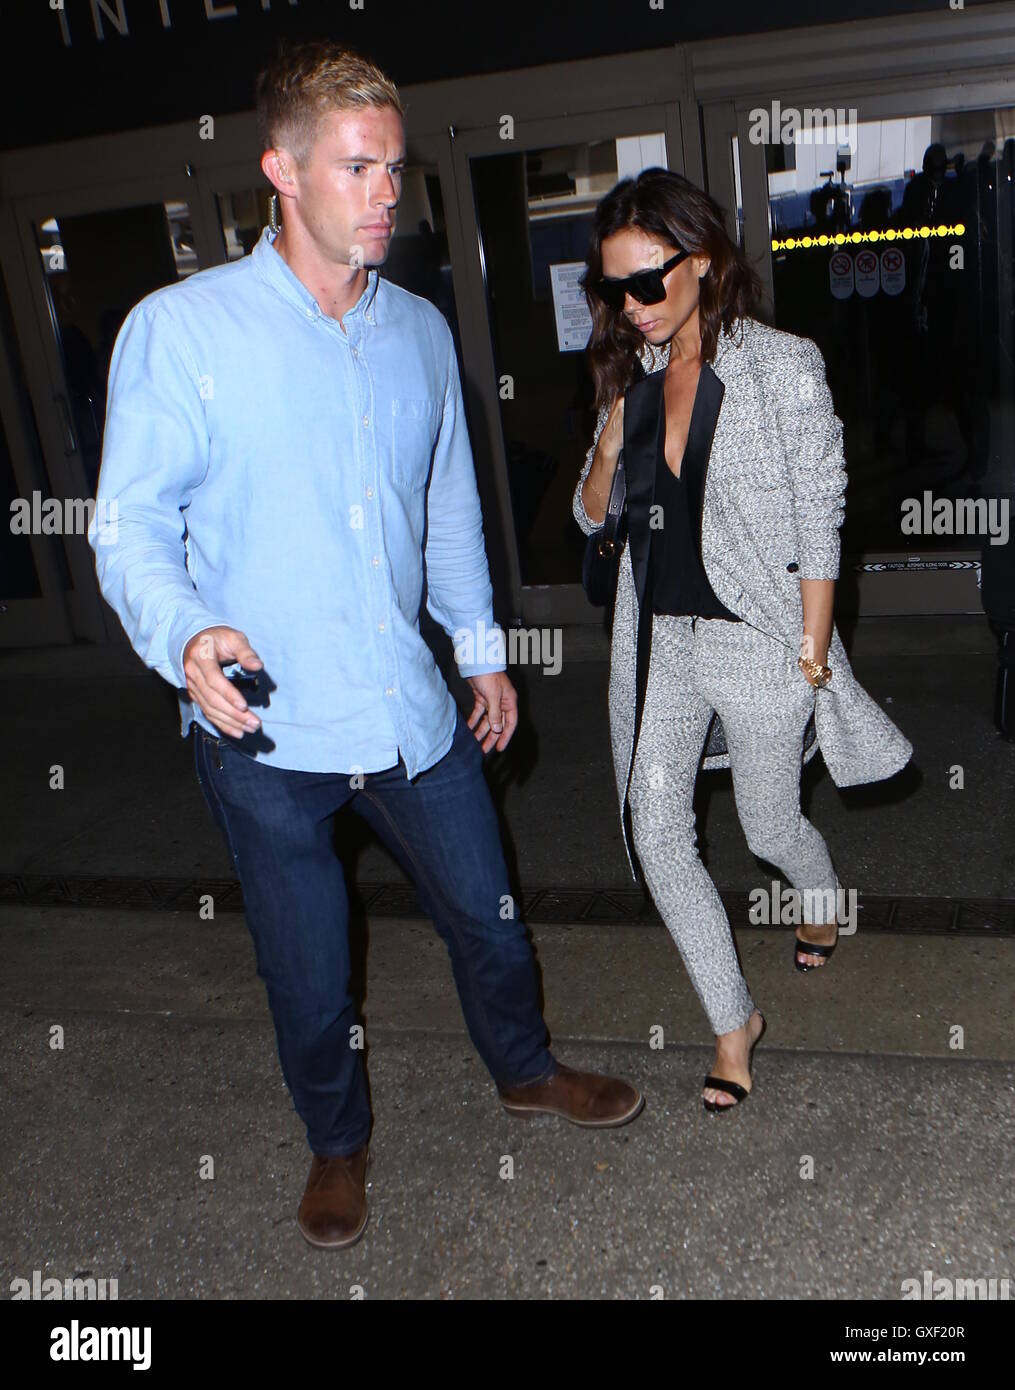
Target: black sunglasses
x=646, y=286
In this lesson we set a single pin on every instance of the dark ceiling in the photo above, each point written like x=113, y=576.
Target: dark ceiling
x=153, y=75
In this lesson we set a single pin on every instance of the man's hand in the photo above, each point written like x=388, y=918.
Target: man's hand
x=494, y=716
x=219, y=700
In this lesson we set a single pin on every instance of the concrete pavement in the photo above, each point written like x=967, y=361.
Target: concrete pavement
x=872, y=1148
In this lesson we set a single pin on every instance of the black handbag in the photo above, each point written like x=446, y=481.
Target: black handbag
x=601, y=562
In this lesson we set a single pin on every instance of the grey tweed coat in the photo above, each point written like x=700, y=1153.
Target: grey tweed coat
x=773, y=505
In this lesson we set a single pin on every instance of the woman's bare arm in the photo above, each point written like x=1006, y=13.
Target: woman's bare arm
x=818, y=598
x=596, y=490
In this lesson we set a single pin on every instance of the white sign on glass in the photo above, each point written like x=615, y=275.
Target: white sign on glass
x=840, y=274
x=570, y=309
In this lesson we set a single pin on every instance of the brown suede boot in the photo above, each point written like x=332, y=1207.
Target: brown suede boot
x=333, y=1212
x=583, y=1097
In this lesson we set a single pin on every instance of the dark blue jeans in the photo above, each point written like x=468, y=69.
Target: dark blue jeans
x=443, y=829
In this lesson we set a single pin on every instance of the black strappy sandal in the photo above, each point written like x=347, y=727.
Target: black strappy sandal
x=809, y=948
x=732, y=1088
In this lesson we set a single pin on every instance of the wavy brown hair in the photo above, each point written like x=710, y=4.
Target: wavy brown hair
x=666, y=205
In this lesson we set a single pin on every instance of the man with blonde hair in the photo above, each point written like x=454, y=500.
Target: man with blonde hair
x=281, y=433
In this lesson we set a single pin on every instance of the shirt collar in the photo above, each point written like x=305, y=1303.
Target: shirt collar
x=276, y=272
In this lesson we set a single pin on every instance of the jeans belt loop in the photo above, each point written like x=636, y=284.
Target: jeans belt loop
x=213, y=744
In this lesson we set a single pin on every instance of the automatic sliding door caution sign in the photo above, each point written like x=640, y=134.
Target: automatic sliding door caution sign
x=840, y=274
x=868, y=278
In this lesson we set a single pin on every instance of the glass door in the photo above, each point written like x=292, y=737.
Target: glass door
x=32, y=581
x=90, y=257
x=888, y=239
x=527, y=204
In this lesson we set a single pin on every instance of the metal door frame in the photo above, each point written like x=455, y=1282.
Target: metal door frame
x=559, y=603
x=30, y=304
x=928, y=65
x=599, y=97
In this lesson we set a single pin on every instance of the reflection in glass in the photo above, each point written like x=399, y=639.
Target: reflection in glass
x=243, y=216
x=893, y=251
x=418, y=258
x=98, y=265
x=534, y=209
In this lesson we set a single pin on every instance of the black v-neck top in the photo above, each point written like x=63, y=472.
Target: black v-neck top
x=677, y=578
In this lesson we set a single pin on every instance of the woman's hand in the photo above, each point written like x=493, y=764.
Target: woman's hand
x=807, y=675
x=809, y=652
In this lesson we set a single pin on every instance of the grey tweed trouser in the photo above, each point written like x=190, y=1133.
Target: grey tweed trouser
x=764, y=701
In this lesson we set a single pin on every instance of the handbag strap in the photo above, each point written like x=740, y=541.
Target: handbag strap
x=614, y=509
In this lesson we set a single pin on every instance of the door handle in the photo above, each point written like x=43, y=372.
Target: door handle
x=70, y=445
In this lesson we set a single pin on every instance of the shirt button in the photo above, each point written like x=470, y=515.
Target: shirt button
x=380, y=627
x=390, y=690
x=355, y=353
x=366, y=419
x=370, y=492
x=374, y=560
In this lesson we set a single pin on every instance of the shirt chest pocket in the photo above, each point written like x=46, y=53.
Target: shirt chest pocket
x=414, y=425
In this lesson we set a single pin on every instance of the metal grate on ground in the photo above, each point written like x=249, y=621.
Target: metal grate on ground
x=893, y=915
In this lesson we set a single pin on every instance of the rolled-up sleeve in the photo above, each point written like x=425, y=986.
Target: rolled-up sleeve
x=578, y=505
x=459, y=592
x=155, y=453
x=812, y=434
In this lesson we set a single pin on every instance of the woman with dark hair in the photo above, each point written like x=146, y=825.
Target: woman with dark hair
x=722, y=623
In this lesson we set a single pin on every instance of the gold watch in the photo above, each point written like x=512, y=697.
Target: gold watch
x=819, y=674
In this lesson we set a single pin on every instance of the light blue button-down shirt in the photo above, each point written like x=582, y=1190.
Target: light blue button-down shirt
x=264, y=469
